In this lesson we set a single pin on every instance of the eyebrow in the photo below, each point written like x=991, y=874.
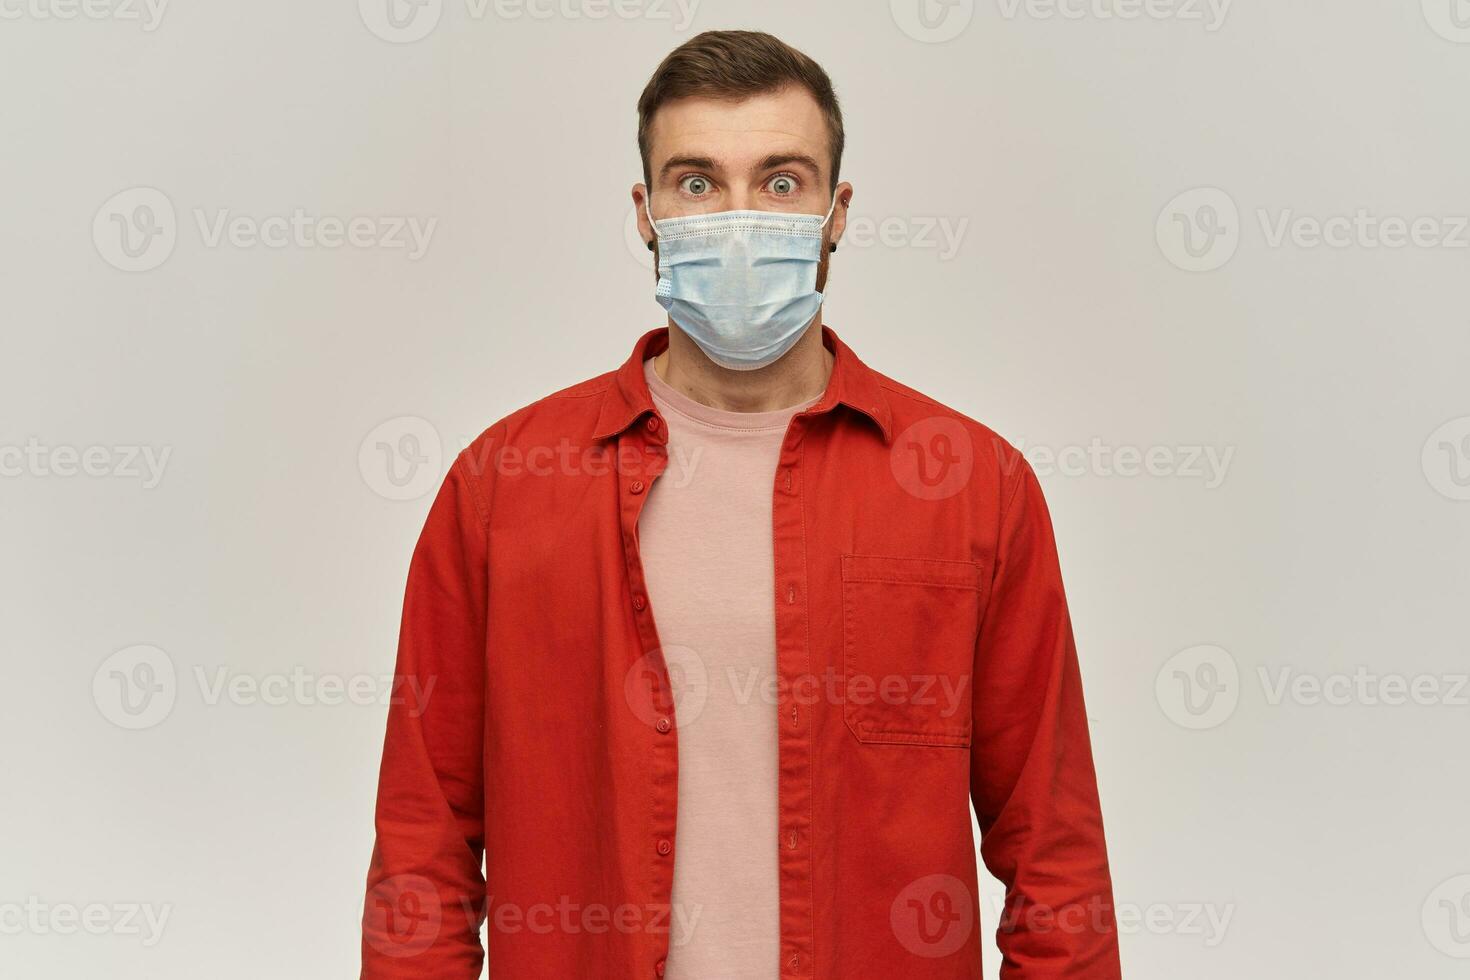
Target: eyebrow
x=786, y=159
x=692, y=163
x=769, y=163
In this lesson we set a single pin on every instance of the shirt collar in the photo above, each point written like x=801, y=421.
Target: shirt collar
x=852, y=383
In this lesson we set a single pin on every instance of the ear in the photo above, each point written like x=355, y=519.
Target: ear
x=843, y=195
x=645, y=230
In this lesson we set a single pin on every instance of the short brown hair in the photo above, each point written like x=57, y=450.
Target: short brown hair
x=736, y=65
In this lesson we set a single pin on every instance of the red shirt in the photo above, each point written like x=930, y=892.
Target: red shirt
x=925, y=658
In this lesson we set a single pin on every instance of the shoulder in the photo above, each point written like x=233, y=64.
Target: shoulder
x=570, y=413
x=562, y=421
x=919, y=419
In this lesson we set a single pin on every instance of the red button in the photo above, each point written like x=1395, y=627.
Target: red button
x=663, y=725
x=652, y=425
x=639, y=602
x=636, y=486
x=664, y=847
x=659, y=968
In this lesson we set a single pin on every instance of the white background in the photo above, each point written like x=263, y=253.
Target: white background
x=1054, y=144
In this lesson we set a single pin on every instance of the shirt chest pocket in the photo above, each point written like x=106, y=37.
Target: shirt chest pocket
x=909, y=630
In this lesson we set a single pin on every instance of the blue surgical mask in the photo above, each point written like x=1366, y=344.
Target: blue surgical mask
x=741, y=284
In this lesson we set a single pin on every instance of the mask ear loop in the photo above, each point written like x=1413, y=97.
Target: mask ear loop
x=831, y=246
x=646, y=198
x=830, y=208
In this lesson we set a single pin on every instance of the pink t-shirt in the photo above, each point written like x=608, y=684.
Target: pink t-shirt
x=705, y=538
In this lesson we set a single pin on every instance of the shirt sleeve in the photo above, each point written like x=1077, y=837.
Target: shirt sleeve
x=1032, y=779
x=426, y=888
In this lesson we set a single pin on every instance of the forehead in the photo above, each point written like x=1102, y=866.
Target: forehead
x=737, y=132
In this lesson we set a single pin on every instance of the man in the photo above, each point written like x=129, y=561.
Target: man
x=860, y=629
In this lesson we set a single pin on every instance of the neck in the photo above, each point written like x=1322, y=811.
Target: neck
x=799, y=376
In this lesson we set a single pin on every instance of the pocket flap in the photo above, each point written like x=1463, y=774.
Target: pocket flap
x=911, y=571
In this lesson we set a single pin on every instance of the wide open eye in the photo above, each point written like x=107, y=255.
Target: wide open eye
x=783, y=184
x=695, y=184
